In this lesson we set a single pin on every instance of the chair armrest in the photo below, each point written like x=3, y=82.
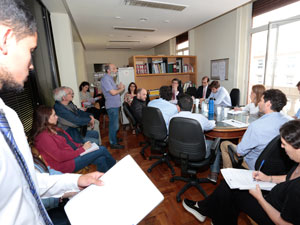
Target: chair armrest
x=235, y=159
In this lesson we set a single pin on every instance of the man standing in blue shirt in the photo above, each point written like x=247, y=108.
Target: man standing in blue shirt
x=167, y=108
x=261, y=131
x=111, y=93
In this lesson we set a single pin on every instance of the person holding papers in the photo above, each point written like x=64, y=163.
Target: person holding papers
x=58, y=148
x=279, y=206
x=261, y=131
x=220, y=94
x=255, y=96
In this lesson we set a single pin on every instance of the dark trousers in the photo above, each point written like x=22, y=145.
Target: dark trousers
x=58, y=216
x=224, y=205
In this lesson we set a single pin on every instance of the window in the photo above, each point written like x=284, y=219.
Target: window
x=275, y=51
x=182, y=44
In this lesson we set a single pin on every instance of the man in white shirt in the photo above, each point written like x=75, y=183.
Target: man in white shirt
x=220, y=94
x=18, y=38
x=185, y=105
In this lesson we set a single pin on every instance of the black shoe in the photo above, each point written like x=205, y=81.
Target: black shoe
x=213, y=177
x=117, y=146
x=119, y=139
x=192, y=207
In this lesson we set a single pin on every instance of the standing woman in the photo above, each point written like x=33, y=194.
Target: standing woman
x=128, y=97
x=58, y=148
x=255, y=96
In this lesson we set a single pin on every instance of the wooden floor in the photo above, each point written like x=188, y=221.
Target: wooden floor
x=169, y=212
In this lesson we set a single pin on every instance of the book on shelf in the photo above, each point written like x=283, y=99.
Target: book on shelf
x=187, y=68
x=179, y=65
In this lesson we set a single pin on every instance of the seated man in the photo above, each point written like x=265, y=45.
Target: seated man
x=138, y=103
x=70, y=118
x=185, y=105
x=261, y=131
x=203, y=91
x=297, y=115
x=167, y=109
x=220, y=94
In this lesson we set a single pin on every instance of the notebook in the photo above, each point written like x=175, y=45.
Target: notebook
x=127, y=196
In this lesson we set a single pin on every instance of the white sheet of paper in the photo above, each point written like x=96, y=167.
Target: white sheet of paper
x=235, y=123
x=242, y=179
x=94, y=147
x=235, y=112
x=127, y=196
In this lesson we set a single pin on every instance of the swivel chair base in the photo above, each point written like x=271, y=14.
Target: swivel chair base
x=162, y=159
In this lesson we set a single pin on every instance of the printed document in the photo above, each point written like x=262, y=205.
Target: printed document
x=127, y=196
x=242, y=179
x=94, y=147
x=235, y=123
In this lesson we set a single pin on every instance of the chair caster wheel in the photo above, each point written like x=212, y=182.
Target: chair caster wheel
x=149, y=170
x=172, y=179
x=178, y=199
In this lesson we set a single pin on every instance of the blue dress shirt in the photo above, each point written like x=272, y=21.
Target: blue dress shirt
x=222, y=97
x=167, y=109
x=258, y=135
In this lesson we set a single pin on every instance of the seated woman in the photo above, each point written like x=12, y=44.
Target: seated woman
x=58, y=148
x=255, y=96
x=279, y=206
x=128, y=97
x=87, y=101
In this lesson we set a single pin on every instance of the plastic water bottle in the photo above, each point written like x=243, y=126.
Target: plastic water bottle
x=211, y=106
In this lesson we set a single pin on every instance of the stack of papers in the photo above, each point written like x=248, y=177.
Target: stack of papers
x=127, y=196
x=94, y=147
x=235, y=112
x=235, y=123
x=242, y=179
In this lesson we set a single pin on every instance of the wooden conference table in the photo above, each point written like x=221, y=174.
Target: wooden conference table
x=226, y=131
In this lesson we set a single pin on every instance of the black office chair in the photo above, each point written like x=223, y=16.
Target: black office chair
x=192, y=91
x=188, y=148
x=276, y=162
x=155, y=130
x=235, y=97
x=130, y=117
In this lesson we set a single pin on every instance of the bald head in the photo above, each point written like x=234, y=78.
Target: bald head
x=141, y=94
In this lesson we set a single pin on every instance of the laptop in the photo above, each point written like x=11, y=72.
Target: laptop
x=127, y=196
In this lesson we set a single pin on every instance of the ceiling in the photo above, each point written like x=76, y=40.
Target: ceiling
x=95, y=20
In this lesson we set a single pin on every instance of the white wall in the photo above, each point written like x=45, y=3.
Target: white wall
x=62, y=35
x=162, y=49
x=80, y=62
x=224, y=37
x=118, y=57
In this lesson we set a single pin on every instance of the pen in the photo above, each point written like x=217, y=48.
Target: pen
x=261, y=164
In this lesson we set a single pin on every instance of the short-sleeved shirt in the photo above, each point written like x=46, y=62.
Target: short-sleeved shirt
x=285, y=197
x=107, y=84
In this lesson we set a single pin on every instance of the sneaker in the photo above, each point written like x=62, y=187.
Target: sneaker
x=117, y=146
x=192, y=207
x=213, y=177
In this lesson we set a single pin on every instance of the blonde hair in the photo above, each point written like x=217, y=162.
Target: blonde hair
x=258, y=90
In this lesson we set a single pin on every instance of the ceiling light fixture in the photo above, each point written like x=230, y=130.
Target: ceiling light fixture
x=155, y=4
x=135, y=29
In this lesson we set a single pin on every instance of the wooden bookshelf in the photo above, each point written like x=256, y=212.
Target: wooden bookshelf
x=151, y=72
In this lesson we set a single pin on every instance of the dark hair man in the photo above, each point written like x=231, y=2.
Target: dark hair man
x=220, y=94
x=19, y=184
x=167, y=109
x=111, y=92
x=203, y=91
x=185, y=104
x=261, y=131
x=138, y=103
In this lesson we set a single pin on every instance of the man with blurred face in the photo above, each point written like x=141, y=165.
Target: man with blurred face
x=138, y=103
x=20, y=186
x=203, y=91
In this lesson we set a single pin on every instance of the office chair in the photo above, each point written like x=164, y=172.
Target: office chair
x=192, y=91
x=276, y=161
x=155, y=130
x=235, y=97
x=187, y=148
x=130, y=117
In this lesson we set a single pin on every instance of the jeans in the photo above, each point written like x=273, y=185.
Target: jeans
x=92, y=136
x=101, y=158
x=113, y=115
x=215, y=167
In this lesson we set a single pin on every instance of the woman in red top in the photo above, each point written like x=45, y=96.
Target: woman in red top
x=58, y=148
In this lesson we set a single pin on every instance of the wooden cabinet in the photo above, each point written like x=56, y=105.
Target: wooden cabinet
x=151, y=72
